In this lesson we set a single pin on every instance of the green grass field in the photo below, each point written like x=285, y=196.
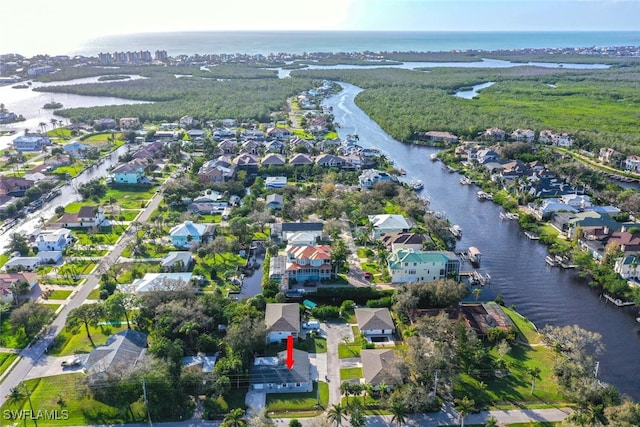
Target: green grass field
x=68, y=343
x=60, y=294
x=69, y=393
x=279, y=403
x=350, y=373
x=6, y=359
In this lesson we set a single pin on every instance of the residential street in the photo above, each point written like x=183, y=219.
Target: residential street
x=32, y=355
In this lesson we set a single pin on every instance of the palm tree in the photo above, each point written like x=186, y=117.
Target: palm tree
x=399, y=412
x=476, y=293
x=345, y=389
x=491, y=422
x=383, y=388
x=368, y=391
x=463, y=406
x=594, y=416
x=337, y=414
x=534, y=373
x=357, y=418
x=234, y=418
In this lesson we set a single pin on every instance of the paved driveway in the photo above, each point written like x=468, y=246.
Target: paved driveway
x=335, y=333
x=47, y=366
x=256, y=401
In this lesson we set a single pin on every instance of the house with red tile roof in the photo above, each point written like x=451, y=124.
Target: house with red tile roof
x=309, y=263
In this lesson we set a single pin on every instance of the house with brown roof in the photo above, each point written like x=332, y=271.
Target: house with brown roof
x=396, y=241
x=87, y=216
x=9, y=281
x=329, y=161
x=282, y=320
x=13, y=186
x=375, y=323
x=380, y=366
x=301, y=159
x=246, y=161
x=273, y=159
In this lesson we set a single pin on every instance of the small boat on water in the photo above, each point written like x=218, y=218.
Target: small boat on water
x=508, y=215
x=456, y=230
x=433, y=157
x=484, y=196
x=465, y=181
x=416, y=185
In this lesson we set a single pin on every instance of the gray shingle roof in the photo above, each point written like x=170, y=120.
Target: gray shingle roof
x=374, y=318
x=379, y=366
x=282, y=317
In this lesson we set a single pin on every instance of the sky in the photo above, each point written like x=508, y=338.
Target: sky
x=38, y=26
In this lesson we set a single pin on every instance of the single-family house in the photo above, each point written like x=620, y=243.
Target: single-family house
x=274, y=201
x=481, y=317
x=189, y=233
x=309, y=263
x=200, y=362
x=187, y=121
x=119, y=355
x=628, y=267
x=494, y=134
x=31, y=142
x=255, y=134
x=22, y=263
x=375, y=323
x=408, y=265
x=329, y=161
x=129, y=123
x=632, y=163
x=279, y=134
x=282, y=231
x=9, y=281
x=53, y=240
x=246, y=161
x=228, y=146
x=396, y=241
x=282, y=320
x=388, y=223
x=250, y=147
x=526, y=135
x=379, y=366
x=177, y=261
x=274, y=182
x=58, y=160
x=218, y=170
x=132, y=172
x=158, y=282
x=76, y=149
x=272, y=375
x=370, y=177
x=273, y=159
x=301, y=159
x=274, y=147
x=87, y=216
x=104, y=124
x=14, y=186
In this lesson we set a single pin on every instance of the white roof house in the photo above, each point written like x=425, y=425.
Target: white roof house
x=188, y=233
x=158, y=282
x=388, y=224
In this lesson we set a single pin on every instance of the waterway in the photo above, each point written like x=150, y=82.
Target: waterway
x=516, y=264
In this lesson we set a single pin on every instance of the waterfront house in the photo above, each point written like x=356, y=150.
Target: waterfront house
x=396, y=241
x=408, y=265
x=132, y=172
x=86, y=217
x=13, y=186
x=627, y=267
x=31, y=142
x=436, y=136
x=387, y=223
x=309, y=263
x=380, y=366
x=632, y=163
x=53, y=240
x=76, y=149
x=281, y=321
x=158, y=282
x=272, y=375
x=118, y=356
x=188, y=234
x=58, y=160
x=370, y=177
x=375, y=324
x=274, y=201
x=481, y=317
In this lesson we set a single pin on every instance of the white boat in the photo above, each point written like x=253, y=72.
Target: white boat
x=433, y=157
x=416, y=185
x=456, y=230
x=465, y=181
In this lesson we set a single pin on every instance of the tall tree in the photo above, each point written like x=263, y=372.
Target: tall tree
x=235, y=418
x=336, y=414
x=31, y=317
x=119, y=305
x=399, y=413
x=88, y=315
x=464, y=406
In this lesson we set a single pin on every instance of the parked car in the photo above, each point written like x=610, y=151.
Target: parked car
x=72, y=361
x=368, y=275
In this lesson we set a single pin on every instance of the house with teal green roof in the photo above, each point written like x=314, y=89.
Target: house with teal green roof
x=409, y=265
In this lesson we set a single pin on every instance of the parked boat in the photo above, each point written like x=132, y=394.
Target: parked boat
x=416, y=185
x=465, y=181
x=508, y=215
x=484, y=196
x=456, y=230
x=433, y=157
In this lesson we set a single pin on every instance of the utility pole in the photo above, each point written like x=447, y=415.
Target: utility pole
x=435, y=385
x=35, y=419
x=595, y=371
x=146, y=402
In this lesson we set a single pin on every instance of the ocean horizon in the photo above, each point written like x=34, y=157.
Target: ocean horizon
x=298, y=42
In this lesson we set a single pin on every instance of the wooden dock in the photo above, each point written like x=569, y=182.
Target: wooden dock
x=476, y=278
x=531, y=236
x=618, y=302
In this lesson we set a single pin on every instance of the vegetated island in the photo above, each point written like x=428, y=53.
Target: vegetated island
x=53, y=105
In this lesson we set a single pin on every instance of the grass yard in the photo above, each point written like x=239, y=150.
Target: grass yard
x=53, y=307
x=69, y=392
x=94, y=294
x=133, y=198
x=135, y=270
x=68, y=343
x=6, y=359
x=279, y=403
x=310, y=345
x=350, y=373
x=60, y=294
x=149, y=250
x=527, y=330
x=105, y=236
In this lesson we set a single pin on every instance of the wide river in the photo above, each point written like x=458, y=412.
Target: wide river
x=516, y=264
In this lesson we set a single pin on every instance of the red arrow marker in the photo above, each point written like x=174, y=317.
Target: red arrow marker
x=290, y=360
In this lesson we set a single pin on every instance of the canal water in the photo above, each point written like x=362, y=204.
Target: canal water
x=516, y=264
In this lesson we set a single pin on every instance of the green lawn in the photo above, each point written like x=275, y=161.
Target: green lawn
x=135, y=270
x=69, y=392
x=149, y=250
x=349, y=350
x=53, y=307
x=350, y=373
x=94, y=294
x=526, y=329
x=280, y=403
x=11, y=337
x=60, y=294
x=310, y=345
x=68, y=343
x=106, y=236
x=6, y=359
x=132, y=198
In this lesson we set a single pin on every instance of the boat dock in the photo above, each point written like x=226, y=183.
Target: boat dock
x=472, y=255
x=618, y=302
x=531, y=236
x=476, y=278
x=508, y=215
